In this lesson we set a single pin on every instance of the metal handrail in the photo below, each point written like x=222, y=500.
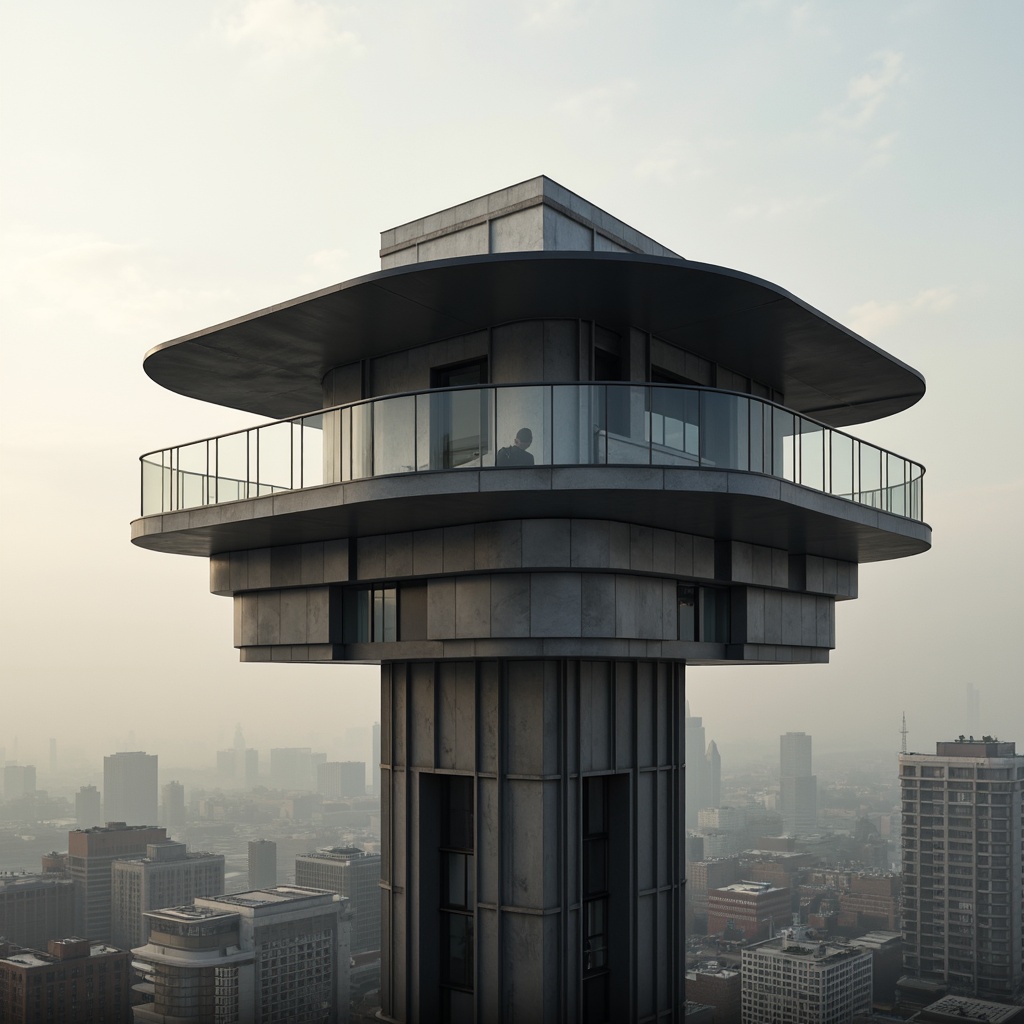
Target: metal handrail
x=589, y=423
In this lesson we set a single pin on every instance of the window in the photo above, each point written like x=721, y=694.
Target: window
x=704, y=614
x=458, y=898
x=460, y=420
x=595, y=898
x=370, y=615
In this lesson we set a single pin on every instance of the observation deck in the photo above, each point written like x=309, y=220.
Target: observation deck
x=725, y=464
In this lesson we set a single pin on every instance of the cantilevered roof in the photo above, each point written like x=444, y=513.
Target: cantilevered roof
x=272, y=362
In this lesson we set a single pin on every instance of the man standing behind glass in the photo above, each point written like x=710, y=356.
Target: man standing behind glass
x=516, y=454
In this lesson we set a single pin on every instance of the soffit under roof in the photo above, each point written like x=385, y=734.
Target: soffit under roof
x=272, y=362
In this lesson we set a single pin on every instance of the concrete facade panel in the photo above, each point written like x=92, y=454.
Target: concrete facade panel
x=499, y=545
x=555, y=605
x=459, y=549
x=371, y=562
x=268, y=617
x=398, y=555
x=510, y=605
x=293, y=617
x=598, y=604
x=440, y=608
x=546, y=543
x=336, y=561
x=473, y=606
x=428, y=552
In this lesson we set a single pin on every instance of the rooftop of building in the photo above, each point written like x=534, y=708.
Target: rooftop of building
x=270, y=896
x=20, y=882
x=339, y=853
x=747, y=888
x=189, y=913
x=113, y=826
x=793, y=944
x=37, y=958
x=966, y=1009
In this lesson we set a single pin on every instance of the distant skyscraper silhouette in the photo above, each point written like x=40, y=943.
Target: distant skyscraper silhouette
x=88, y=807
x=130, y=788
x=798, y=787
x=173, y=799
x=262, y=864
x=714, y=774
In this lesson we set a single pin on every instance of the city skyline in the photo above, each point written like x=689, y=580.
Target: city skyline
x=871, y=175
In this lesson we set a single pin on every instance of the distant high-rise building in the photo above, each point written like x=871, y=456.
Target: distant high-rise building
x=35, y=909
x=798, y=787
x=251, y=767
x=262, y=864
x=714, y=775
x=375, y=765
x=130, y=788
x=19, y=781
x=294, y=767
x=76, y=981
x=963, y=878
x=168, y=875
x=173, y=804
x=275, y=954
x=90, y=854
x=353, y=874
x=88, y=807
x=337, y=780
x=696, y=781
x=791, y=981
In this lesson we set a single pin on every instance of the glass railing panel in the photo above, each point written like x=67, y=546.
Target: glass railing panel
x=674, y=426
x=310, y=440
x=756, y=427
x=275, y=471
x=625, y=425
x=359, y=441
x=192, y=475
x=896, y=484
x=232, y=467
x=841, y=453
x=517, y=408
x=783, y=446
x=812, y=459
x=155, y=481
x=575, y=418
x=870, y=492
x=394, y=436
x=724, y=431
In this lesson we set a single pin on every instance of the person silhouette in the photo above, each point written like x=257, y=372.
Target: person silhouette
x=516, y=454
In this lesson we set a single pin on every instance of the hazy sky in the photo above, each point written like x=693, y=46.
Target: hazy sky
x=169, y=166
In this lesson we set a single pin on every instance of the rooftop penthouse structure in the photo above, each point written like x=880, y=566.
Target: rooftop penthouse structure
x=533, y=467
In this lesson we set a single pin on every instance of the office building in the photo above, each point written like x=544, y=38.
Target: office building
x=962, y=868
x=697, y=784
x=167, y=876
x=375, y=766
x=91, y=851
x=534, y=467
x=172, y=803
x=130, y=788
x=35, y=909
x=75, y=982
x=355, y=875
x=88, y=807
x=748, y=910
x=717, y=986
x=713, y=760
x=262, y=864
x=275, y=954
x=798, y=786
x=790, y=980
x=340, y=780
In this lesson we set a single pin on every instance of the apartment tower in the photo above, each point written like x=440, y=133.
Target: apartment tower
x=130, y=788
x=533, y=467
x=798, y=787
x=962, y=871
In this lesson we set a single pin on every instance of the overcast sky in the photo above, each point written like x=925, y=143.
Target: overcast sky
x=169, y=166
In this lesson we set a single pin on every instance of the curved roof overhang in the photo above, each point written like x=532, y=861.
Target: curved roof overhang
x=724, y=504
x=272, y=362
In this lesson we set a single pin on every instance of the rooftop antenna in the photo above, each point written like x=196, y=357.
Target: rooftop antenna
x=903, y=733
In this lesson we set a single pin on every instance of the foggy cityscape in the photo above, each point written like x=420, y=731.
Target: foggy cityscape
x=531, y=612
